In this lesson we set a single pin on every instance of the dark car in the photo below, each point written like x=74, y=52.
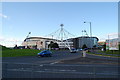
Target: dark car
x=73, y=50
x=45, y=53
x=85, y=49
x=79, y=49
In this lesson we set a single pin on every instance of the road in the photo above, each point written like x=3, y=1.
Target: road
x=61, y=65
x=57, y=56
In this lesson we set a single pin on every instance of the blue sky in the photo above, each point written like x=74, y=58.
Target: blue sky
x=42, y=18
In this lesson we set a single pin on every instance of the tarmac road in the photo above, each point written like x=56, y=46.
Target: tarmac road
x=61, y=65
x=57, y=56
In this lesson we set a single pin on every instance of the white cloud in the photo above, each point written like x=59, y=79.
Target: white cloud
x=2, y=15
x=109, y=35
x=113, y=35
x=10, y=42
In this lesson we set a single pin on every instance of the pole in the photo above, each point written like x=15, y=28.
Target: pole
x=62, y=34
x=91, y=35
x=27, y=38
x=108, y=42
x=90, y=30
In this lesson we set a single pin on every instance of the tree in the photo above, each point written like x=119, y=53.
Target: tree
x=84, y=46
x=104, y=47
x=94, y=46
x=119, y=46
x=15, y=46
x=53, y=45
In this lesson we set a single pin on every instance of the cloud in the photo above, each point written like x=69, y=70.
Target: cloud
x=10, y=42
x=3, y=16
x=113, y=34
x=109, y=35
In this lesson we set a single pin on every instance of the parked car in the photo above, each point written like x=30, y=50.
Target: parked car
x=85, y=49
x=73, y=50
x=79, y=49
x=45, y=53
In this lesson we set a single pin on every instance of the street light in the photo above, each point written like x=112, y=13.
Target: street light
x=90, y=28
x=90, y=33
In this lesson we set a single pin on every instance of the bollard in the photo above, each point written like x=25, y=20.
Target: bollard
x=84, y=53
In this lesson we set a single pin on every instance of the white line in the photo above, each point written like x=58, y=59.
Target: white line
x=86, y=65
x=64, y=71
x=54, y=62
x=41, y=65
x=68, y=70
x=51, y=64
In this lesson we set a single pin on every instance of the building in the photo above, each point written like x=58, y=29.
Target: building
x=101, y=44
x=42, y=43
x=113, y=44
x=37, y=42
x=90, y=42
x=78, y=42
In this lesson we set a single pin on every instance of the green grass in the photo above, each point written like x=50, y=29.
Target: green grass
x=107, y=52
x=19, y=52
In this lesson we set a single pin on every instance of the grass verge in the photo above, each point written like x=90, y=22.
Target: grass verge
x=19, y=52
x=106, y=53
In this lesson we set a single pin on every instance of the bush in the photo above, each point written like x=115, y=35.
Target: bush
x=4, y=48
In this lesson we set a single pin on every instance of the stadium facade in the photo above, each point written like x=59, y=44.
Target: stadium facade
x=78, y=42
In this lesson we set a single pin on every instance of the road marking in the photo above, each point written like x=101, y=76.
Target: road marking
x=54, y=62
x=85, y=65
x=41, y=65
x=67, y=72
x=16, y=63
x=67, y=65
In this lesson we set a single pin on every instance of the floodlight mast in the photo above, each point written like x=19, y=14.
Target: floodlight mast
x=27, y=38
x=61, y=32
x=28, y=35
x=62, y=35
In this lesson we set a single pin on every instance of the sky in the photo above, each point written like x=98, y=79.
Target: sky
x=43, y=18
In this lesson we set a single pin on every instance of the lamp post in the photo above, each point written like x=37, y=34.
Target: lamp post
x=108, y=41
x=90, y=28
x=90, y=33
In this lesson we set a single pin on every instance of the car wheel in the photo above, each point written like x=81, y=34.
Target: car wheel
x=38, y=56
x=42, y=55
x=50, y=55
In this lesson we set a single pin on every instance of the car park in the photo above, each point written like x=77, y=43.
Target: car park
x=45, y=53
